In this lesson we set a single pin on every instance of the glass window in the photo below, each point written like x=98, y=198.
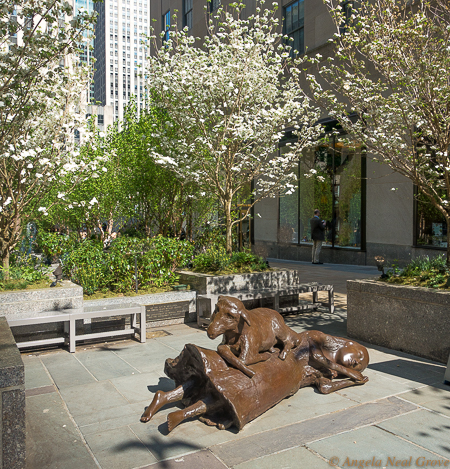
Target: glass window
x=187, y=5
x=293, y=25
x=166, y=25
x=288, y=230
x=329, y=179
x=431, y=227
x=214, y=4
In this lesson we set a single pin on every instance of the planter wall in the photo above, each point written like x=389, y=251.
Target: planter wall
x=12, y=401
x=152, y=299
x=409, y=319
x=206, y=284
x=66, y=296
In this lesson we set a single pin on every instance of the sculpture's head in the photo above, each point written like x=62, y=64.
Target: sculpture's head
x=227, y=316
x=353, y=355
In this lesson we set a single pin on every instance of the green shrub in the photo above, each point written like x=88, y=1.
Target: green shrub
x=422, y=271
x=23, y=272
x=216, y=259
x=54, y=245
x=86, y=265
x=156, y=259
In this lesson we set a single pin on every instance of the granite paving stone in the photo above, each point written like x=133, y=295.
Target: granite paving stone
x=119, y=449
x=293, y=458
x=435, y=397
x=200, y=460
x=423, y=428
x=66, y=370
x=409, y=369
x=92, y=398
x=146, y=357
x=52, y=439
x=189, y=437
x=110, y=419
x=290, y=436
x=370, y=444
x=142, y=386
x=36, y=375
x=379, y=386
x=104, y=364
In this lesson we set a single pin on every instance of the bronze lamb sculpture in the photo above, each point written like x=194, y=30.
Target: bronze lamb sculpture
x=249, y=337
x=225, y=395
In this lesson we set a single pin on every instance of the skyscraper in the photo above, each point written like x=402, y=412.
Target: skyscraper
x=120, y=52
x=87, y=54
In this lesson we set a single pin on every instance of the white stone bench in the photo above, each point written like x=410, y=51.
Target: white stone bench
x=206, y=303
x=90, y=313
x=69, y=318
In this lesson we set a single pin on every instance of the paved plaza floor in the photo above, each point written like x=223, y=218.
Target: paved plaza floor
x=83, y=409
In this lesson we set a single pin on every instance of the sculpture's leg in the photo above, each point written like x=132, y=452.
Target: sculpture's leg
x=225, y=352
x=287, y=347
x=220, y=425
x=353, y=374
x=325, y=386
x=162, y=398
x=199, y=408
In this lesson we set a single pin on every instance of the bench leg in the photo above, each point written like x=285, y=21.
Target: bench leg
x=72, y=341
x=276, y=301
x=315, y=297
x=66, y=331
x=143, y=324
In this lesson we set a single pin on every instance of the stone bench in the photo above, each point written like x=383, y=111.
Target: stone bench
x=69, y=318
x=206, y=303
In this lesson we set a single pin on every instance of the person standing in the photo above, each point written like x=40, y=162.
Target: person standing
x=317, y=235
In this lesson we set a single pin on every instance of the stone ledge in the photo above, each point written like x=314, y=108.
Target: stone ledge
x=66, y=296
x=206, y=284
x=11, y=365
x=414, y=320
x=12, y=398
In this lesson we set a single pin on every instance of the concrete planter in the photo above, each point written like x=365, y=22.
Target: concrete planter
x=152, y=299
x=12, y=398
x=414, y=320
x=206, y=284
x=66, y=296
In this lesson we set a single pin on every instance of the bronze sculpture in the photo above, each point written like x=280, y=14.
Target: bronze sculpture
x=225, y=395
x=249, y=337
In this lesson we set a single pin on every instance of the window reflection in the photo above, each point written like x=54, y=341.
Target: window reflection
x=329, y=178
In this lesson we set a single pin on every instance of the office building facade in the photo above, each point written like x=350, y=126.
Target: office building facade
x=369, y=209
x=120, y=51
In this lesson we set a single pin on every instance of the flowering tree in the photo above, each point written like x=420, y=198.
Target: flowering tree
x=391, y=67
x=41, y=85
x=231, y=101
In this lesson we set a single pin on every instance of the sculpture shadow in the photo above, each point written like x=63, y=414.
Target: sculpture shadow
x=161, y=448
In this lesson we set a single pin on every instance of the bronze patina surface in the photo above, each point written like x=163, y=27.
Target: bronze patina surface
x=260, y=362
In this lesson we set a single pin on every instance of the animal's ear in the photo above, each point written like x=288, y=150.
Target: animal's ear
x=244, y=316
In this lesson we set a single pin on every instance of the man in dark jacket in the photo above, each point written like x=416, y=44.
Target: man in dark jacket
x=317, y=235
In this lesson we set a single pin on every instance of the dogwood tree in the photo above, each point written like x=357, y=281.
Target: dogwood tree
x=230, y=97
x=391, y=66
x=41, y=85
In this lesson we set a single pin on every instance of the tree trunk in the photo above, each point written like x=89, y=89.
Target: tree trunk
x=447, y=219
x=229, y=226
x=5, y=263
